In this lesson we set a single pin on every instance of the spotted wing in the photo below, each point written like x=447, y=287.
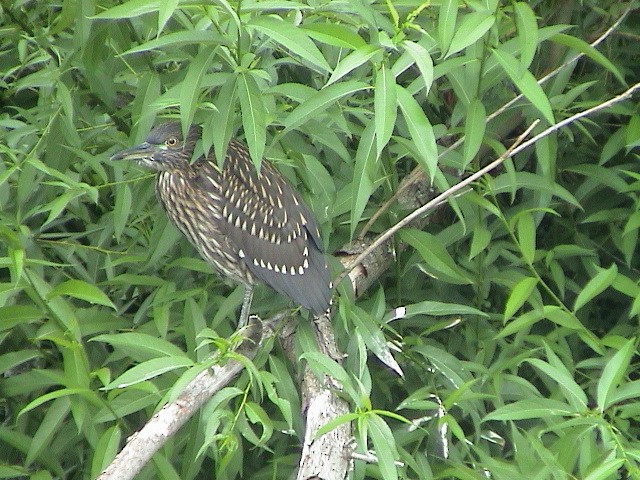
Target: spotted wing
x=275, y=234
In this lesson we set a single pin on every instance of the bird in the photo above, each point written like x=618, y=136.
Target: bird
x=250, y=225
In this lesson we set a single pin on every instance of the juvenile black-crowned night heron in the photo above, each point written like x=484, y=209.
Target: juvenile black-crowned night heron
x=250, y=226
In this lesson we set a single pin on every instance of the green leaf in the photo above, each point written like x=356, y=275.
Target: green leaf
x=165, y=11
x=320, y=363
x=423, y=61
x=432, y=308
x=292, y=38
x=257, y=415
x=438, y=261
x=526, y=230
x=352, y=61
x=526, y=83
x=364, y=173
x=121, y=209
x=583, y=47
x=613, y=373
x=528, y=409
x=180, y=39
x=569, y=320
x=520, y=293
x=190, y=89
x=320, y=101
x=472, y=27
x=374, y=338
x=132, y=8
x=447, y=17
x=598, y=284
x=420, y=129
x=474, y=128
x=149, y=369
x=140, y=346
x=13, y=315
x=106, y=449
x=220, y=126
x=385, y=106
x=334, y=34
x=55, y=395
x=606, y=469
x=52, y=422
x=571, y=390
x=481, y=237
x=83, y=291
x=253, y=117
x=527, y=33
x=384, y=445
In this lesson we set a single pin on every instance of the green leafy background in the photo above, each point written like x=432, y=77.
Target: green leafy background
x=518, y=346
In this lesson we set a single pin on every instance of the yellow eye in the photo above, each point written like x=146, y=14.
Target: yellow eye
x=171, y=141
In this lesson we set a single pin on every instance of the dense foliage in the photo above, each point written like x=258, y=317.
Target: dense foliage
x=518, y=345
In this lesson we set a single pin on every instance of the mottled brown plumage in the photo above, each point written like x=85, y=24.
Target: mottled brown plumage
x=250, y=226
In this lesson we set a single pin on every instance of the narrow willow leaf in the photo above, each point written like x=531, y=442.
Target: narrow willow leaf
x=526, y=231
x=132, y=8
x=385, y=106
x=480, y=239
x=140, y=346
x=334, y=34
x=613, y=373
x=436, y=257
x=52, y=422
x=373, y=337
x=323, y=364
x=352, y=61
x=82, y=290
x=122, y=209
x=423, y=61
x=420, y=129
x=149, y=369
x=571, y=390
x=527, y=33
x=607, y=469
x=106, y=449
x=320, y=101
x=474, y=128
x=165, y=11
x=253, y=117
x=179, y=39
x=142, y=111
x=520, y=293
x=364, y=171
x=384, y=446
x=520, y=323
x=583, y=47
x=472, y=27
x=526, y=409
x=63, y=97
x=221, y=123
x=598, y=284
x=190, y=88
x=447, y=17
x=432, y=308
x=292, y=38
x=526, y=83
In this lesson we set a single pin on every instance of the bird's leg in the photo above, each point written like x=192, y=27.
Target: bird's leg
x=246, y=306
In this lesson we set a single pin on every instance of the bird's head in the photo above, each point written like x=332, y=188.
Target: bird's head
x=164, y=148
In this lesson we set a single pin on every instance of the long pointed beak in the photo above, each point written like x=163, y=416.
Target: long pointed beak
x=140, y=152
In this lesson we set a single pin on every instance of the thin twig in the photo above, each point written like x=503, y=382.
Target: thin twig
x=516, y=148
x=419, y=172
